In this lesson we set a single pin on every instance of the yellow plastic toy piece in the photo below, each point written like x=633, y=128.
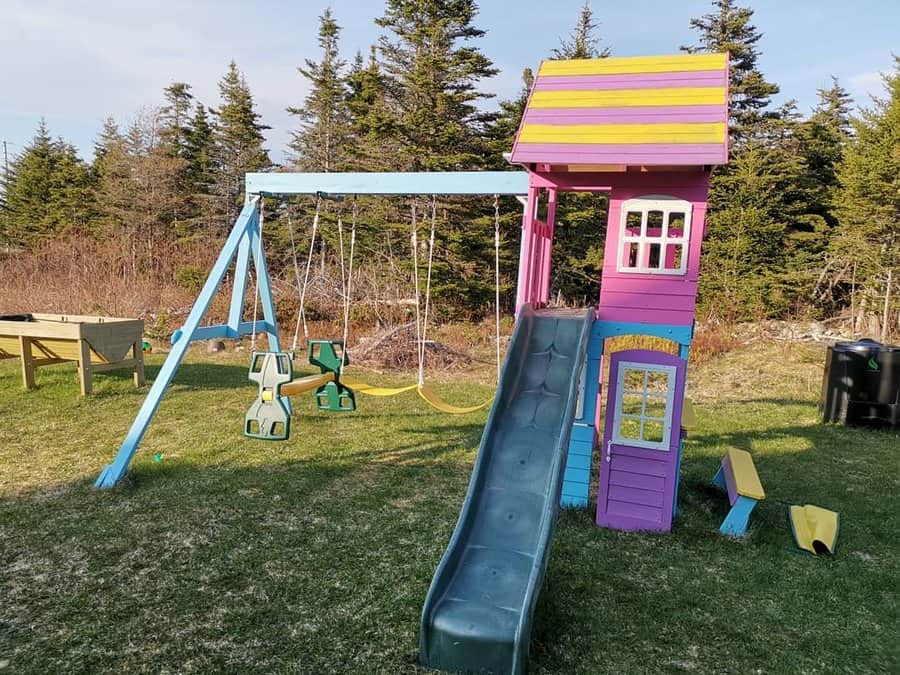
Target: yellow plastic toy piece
x=815, y=529
x=746, y=480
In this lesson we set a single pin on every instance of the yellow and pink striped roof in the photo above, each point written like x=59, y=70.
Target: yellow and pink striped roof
x=645, y=110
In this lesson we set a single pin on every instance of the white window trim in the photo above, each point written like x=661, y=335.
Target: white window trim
x=644, y=205
x=664, y=444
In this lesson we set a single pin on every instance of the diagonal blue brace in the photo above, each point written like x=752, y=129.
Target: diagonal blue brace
x=239, y=243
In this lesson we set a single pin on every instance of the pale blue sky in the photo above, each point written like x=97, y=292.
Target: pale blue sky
x=75, y=62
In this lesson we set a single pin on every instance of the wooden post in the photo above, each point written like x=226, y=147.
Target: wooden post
x=138, y=353
x=27, y=361
x=85, y=376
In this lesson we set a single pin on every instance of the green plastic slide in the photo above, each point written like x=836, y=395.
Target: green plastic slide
x=477, y=616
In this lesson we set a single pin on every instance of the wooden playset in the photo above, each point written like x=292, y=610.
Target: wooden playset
x=644, y=131
x=96, y=343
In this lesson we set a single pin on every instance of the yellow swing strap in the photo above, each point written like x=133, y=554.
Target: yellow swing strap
x=369, y=390
x=431, y=398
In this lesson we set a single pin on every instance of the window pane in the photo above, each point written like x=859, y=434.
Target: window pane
x=653, y=258
x=656, y=407
x=632, y=404
x=634, y=379
x=633, y=223
x=676, y=225
x=630, y=427
x=631, y=254
x=653, y=431
x=654, y=223
x=674, y=256
x=657, y=382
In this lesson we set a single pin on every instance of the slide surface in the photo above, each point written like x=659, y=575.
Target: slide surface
x=477, y=615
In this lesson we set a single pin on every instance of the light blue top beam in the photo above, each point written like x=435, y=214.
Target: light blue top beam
x=421, y=183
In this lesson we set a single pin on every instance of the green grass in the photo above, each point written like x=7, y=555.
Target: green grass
x=315, y=555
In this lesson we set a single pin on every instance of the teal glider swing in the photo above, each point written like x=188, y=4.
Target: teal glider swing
x=245, y=244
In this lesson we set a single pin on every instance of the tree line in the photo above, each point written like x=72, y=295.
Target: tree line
x=803, y=221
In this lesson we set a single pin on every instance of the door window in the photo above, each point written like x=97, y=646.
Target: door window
x=643, y=413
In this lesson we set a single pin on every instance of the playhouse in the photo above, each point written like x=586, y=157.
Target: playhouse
x=645, y=131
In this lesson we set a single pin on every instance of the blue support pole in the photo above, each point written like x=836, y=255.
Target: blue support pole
x=238, y=291
x=266, y=300
x=247, y=220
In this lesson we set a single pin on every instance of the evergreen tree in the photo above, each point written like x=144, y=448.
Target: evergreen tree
x=756, y=202
x=174, y=117
x=822, y=139
x=48, y=192
x=502, y=133
x=728, y=29
x=370, y=120
x=239, y=140
x=868, y=204
x=580, y=228
x=320, y=144
x=199, y=151
x=583, y=42
x=431, y=74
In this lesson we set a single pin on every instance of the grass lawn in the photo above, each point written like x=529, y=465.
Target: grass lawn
x=315, y=555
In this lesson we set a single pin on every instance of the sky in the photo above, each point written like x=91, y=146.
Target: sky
x=76, y=62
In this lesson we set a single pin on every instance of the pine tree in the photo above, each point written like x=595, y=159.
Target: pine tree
x=728, y=29
x=320, y=144
x=370, y=119
x=199, y=151
x=174, y=117
x=756, y=202
x=580, y=218
x=868, y=204
x=822, y=140
x=432, y=73
x=49, y=190
x=583, y=42
x=502, y=133
x=239, y=140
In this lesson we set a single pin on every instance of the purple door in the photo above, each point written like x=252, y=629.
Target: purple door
x=641, y=437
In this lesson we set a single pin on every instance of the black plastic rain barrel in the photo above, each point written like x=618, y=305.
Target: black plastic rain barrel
x=861, y=385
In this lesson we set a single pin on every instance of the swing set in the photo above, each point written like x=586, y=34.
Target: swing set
x=269, y=416
x=273, y=370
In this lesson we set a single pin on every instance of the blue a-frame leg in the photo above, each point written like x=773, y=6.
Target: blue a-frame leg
x=242, y=245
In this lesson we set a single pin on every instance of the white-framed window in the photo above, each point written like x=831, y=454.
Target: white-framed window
x=654, y=235
x=643, y=413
